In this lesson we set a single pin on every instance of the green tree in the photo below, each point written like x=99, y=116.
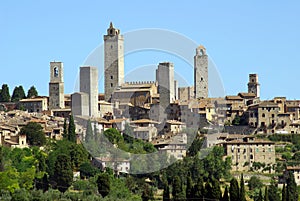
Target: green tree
x=65, y=131
x=32, y=92
x=234, y=190
x=260, y=196
x=103, y=183
x=113, y=135
x=63, y=174
x=177, y=190
x=242, y=193
x=34, y=134
x=147, y=193
x=216, y=189
x=89, y=132
x=225, y=195
x=266, y=194
x=18, y=94
x=291, y=188
x=189, y=188
x=166, y=193
x=208, y=191
x=87, y=170
x=198, y=190
x=4, y=95
x=71, y=130
x=2, y=163
x=254, y=183
x=283, y=193
x=273, y=194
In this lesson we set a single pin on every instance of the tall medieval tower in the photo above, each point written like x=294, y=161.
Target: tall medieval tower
x=201, y=73
x=113, y=61
x=56, y=86
x=253, y=85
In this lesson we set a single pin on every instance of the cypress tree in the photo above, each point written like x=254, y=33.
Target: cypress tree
x=273, y=193
x=63, y=173
x=260, y=196
x=65, y=132
x=234, y=190
x=291, y=188
x=1, y=159
x=283, y=193
x=103, y=183
x=225, y=195
x=4, y=95
x=71, y=130
x=198, y=190
x=177, y=191
x=208, y=191
x=216, y=192
x=89, y=132
x=189, y=188
x=166, y=194
x=18, y=94
x=242, y=193
x=32, y=92
x=266, y=194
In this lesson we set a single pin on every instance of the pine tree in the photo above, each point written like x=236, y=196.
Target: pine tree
x=65, y=132
x=18, y=94
x=63, y=174
x=291, y=188
x=89, y=132
x=189, y=188
x=32, y=92
x=4, y=95
x=283, y=193
x=166, y=194
x=71, y=130
x=242, y=193
x=225, y=195
x=266, y=194
x=234, y=190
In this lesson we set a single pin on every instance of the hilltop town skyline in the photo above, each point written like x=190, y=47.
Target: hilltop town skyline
x=264, y=43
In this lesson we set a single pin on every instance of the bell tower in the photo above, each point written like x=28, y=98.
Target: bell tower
x=113, y=61
x=56, y=86
x=253, y=85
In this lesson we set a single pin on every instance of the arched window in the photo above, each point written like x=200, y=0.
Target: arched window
x=263, y=115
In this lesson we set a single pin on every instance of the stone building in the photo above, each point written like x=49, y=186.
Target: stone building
x=247, y=151
x=296, y=172
x=113, y=61
x=80, y=104
x=201, y=73
x=36, y=104
x=186, y=93
x=56, y=86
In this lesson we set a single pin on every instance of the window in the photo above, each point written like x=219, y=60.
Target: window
x=111, y=84
x=263, y=115
x=111, y=77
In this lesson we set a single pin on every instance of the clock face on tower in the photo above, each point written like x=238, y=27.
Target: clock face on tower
x=55, y=71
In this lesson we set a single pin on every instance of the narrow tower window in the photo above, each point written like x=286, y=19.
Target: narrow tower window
x=111, y=77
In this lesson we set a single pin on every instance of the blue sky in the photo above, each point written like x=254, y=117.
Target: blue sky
x=241, y=37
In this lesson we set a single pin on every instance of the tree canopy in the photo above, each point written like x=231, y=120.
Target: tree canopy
x=34, y=134
x=32, y=92
x=4, y=93
x=18, y=94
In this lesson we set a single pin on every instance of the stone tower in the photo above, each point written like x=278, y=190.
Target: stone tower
x=165, y=80
x=201, y=73
x=56, y=86
x=253, y=85
x=89, y=86
x=113, y=61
